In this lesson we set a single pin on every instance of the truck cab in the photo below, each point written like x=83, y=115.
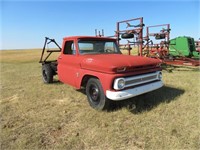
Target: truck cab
x=96, y=65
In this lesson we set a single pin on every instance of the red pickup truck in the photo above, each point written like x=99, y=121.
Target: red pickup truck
x=97, y=65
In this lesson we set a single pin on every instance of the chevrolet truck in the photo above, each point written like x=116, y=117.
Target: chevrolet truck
x=97, y=65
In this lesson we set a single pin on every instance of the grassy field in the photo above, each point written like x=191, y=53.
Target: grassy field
x=56, y=116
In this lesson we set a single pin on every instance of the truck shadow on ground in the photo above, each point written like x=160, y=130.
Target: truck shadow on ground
x=148, y=101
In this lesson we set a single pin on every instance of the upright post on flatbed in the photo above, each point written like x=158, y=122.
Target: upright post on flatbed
x=43, y=49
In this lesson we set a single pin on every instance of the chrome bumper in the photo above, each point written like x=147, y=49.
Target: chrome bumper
x=125, y=94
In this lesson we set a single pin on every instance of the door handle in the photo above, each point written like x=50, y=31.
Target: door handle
x=60, y=57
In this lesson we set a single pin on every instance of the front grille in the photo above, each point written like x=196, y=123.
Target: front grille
x=140, y=68
x=141, y=79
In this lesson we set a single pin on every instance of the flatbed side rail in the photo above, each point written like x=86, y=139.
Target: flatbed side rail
x=48, y=41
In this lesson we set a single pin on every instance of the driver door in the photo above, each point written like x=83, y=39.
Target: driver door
x=68, y=64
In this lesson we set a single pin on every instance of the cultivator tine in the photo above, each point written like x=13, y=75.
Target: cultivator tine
x=128, y=25
x=139, y=25
x=135, y=26
x=165, y=30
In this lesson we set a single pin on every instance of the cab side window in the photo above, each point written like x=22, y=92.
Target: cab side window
x=69, y=48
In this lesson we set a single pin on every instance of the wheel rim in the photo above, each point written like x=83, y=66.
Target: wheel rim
x=94, y=94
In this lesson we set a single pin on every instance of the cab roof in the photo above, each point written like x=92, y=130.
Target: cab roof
x=88, y=37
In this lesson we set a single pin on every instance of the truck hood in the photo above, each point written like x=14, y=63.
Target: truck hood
x=115, y=63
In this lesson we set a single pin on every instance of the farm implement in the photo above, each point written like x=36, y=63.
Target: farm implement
x=134, y=32
x=183, y=50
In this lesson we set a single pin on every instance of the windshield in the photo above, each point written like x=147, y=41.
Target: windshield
x=98, y=47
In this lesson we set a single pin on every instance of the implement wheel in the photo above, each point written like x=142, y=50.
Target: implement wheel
x=127, y=35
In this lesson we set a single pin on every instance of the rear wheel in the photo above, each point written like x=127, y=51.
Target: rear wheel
x=95, y=95
x=47, y=73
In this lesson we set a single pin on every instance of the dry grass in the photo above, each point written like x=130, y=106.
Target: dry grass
x=38, y=116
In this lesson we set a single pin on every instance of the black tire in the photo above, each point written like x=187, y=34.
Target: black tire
x=47, y=73
x=96, y=96
x=127, y=35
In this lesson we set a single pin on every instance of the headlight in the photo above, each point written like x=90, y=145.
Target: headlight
x=119, y=83
x=160, y=76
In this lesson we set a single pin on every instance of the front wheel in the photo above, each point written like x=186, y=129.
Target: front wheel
x=95, y=95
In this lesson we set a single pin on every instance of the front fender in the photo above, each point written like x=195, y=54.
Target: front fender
x=105, y=79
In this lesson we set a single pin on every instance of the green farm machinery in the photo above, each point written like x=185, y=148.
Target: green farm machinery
x=181, y=50
x=183, y=46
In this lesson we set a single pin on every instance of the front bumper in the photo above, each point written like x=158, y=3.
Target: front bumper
x=125, y=94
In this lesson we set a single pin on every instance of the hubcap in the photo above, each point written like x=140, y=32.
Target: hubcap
x=94, y=93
